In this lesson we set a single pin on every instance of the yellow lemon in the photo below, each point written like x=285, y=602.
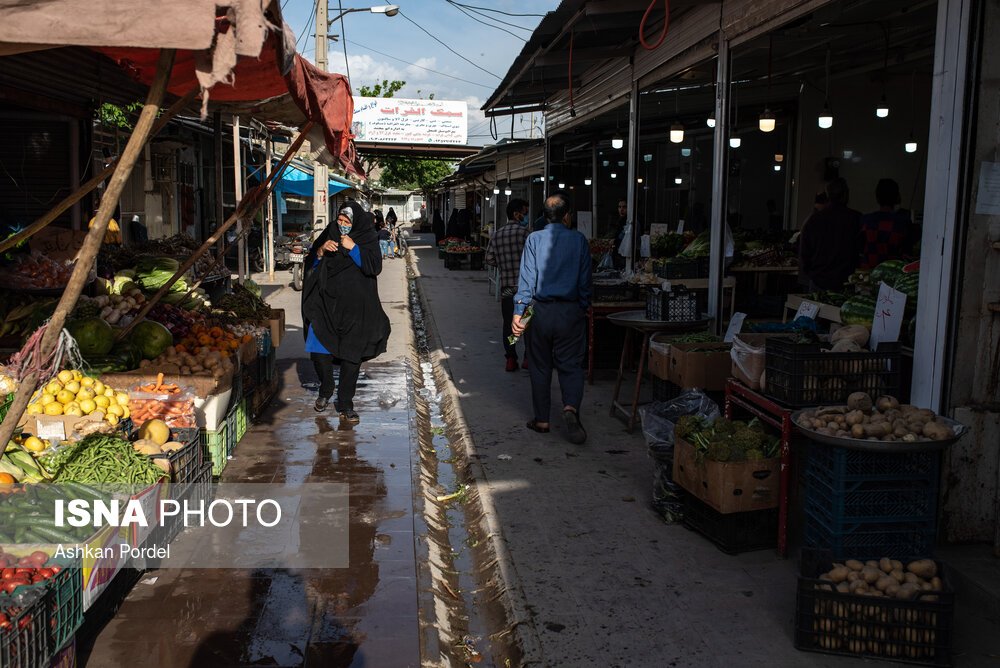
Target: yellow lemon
x=101, y=401
x=88, y=406
x=72, y=404
x=47, y=399
x=72, y=386
x=36, y=409
x=87, y=381
x=65, y=376
x=55, y=408
x=73, y=410
x=116, y=410
x=108, y=392
x=84, y=394
x=122, y=399
x=112, y=420
x=99, y=387
x=34, y=444
x=54, y=387
x=65, y=396
x=125, y=412
x=77, y=375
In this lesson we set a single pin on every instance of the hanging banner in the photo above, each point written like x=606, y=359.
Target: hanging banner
x=408, y=121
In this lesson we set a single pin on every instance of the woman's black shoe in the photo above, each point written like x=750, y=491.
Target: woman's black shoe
x=321, y=404
x=349, y=415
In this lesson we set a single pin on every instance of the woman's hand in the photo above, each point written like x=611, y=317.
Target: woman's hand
x=328, y=246
x=348, y=242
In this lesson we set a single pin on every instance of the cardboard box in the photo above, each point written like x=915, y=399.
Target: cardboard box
x=204, y=385
x=659, y=355
x=248, y=351
x=54, y=427
x=728, y=487
x=748, y=358
x=691, y=367
x=149, y=500
x=277, y=324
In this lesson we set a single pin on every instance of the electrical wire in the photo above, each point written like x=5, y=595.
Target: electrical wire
x=487, y=16
x=343, y=33
x=424, y=30
x=306, y=28
x=488, y=9
x=642, y=25
x=426, y=69
x=488, y=25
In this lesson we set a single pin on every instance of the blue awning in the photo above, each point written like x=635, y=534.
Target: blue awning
x=299, y=182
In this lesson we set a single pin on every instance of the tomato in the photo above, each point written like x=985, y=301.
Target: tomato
x=26, y=562
x=38, y=555
x=55, y=568
x=10, y=585
x=28, y=571
x=7, y=573
x=46, y=572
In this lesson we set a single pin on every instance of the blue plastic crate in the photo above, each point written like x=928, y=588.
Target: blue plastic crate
x=868, y=502
x=869, y=540
x=232, y=434
x=264, y=342
x=840, y=466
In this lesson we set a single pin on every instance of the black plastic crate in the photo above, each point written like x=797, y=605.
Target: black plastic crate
x=27, y=642
x=676, y=305
x=732, y=533
x=840, y=467
x=185, y=461
x=868, y=540
x=683, y=268
x=470, y=261
x=614, y=292
x=918, y=630
x=802, y=374
x=903, y=501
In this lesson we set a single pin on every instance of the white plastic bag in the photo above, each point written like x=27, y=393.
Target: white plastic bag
x=748, y=362
x=625, y=250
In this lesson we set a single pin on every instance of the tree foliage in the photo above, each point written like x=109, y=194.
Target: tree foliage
x=113, y=115
x=403, y=173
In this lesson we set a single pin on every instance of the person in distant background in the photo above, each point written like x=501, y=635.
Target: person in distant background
x=384, y=240
x=886, y=234
x=379, y=218
x=828, y=244
x=452, y=229
x=438, y=227
x=390, y=218
x=619, y=234
x=504, y=252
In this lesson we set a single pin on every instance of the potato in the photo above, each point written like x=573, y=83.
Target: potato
x=898, y=575
x=916, y=428
x=858, y=431
x=885, y=403
x=838, y=574
x=859, y=401
x=170, y=446
x=911, y=578
x=892, y=589
x=937, y=432
x=936, y=584
x=924, y=568
x=859, y=586
x=901, y=431
x=907, y=591
x=870, y=574
x=825, y=431
x=885, y=563
x=854, y=564
x=878, y=429
x=854, y=417
x=889, y=439
x=852, y=576
x=844, y=587
x=843, y=434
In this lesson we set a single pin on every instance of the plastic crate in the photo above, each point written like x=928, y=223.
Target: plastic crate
x=868, y=540
x=106, y=606
x=683, y=268
x=232, y=436
x=676, y=305
x=27, y=642
x=802, y=374
x=270, y=365
x=213, y=448
x=613, y=292
x=126, y=427
x=839, y=467
x=65, y=602
x=184, y=461
x=734, y=532
x=242, y=420
x=250, y=377
x=905, y=501
x=918, y=630
x=264, y=342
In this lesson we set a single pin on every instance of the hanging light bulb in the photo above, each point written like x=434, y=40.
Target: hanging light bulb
x=777, y=168
x=562, y=186
x=496, y=190
x=676, y=132
x=882, y=110
x=685, y=152
x=587, y=182
x=678, y=180
x=766, y=122
x=617, y=142
x=825, y=120
x=507, y=191
x=647, y=157
x=639, y=180
x=605, y=163
x=911, y=146
x=778, y=157
x=710, y=121
x=613, y=175
x=734, y=142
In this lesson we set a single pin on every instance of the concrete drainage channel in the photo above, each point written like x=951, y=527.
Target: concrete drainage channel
x=472, y=609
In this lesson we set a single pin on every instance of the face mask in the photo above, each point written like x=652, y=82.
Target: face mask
x=344, y=229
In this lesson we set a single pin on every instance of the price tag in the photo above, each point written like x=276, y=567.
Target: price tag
x=680, y=227
x=888, y=316
x=735, y=326
x=53, y=430
x=807, y=309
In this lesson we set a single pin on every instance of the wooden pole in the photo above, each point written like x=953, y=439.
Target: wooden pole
x=94, y=181
x=220, y=213
x=94, y=239
x=242, y=208
x=269, y=216
x=238, y=178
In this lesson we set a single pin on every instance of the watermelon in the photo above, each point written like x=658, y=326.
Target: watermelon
x=889, y=272
x=151, y=339
x=908, y=284
x=93, y=336
x=858, y=311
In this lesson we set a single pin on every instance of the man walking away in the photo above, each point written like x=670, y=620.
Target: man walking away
x=555, y=279
x=504, y=252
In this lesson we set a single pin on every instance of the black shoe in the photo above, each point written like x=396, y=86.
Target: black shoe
x=577, y=434
x=349, y=415
x=321, y=404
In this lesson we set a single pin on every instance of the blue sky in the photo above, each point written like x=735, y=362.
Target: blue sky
x=405, y=49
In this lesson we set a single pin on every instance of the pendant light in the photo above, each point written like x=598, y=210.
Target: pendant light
x=613, y=175
x=735, y=142
x=676, y=128
x=507, y=191
x=587, y=182
x=766, y=121
x=617, y=142
x=911, y=144
x=825, y=120
x=686, y=152
x=882, y=109
x=496, y=190
x=562, y=186
x=710, y=121
x=678, y=180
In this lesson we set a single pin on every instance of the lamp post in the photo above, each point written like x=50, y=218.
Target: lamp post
x=388, y=10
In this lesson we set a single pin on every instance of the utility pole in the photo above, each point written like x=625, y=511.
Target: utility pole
x=321, y=214
x=238, y=178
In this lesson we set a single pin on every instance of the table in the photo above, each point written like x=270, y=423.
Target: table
x=601, y=311
x=635, y=321
x=776, y=415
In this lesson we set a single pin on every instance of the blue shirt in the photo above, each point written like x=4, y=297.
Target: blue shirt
x=555, y=266
x=312, y=343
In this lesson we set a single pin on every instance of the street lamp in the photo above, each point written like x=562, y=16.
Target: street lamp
x=388, y=10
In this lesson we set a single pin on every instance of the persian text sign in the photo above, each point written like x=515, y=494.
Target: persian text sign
x=403, y=121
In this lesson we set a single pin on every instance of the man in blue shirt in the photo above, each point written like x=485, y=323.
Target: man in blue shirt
x=555, y=280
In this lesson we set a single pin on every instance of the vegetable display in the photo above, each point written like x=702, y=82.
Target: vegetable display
x=668, y=244
x=104, y=459
x=27, y=514
x=162, y=401
x=725, y=440
x=244, y=304
x=21, y=571
x=151, y=339
x=71, y=393
x=883, y=420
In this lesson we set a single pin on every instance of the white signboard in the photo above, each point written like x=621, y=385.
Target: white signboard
x=888, y=315
x=807, y=309
x=403, y=121
x=585, y=223
x=735, y=326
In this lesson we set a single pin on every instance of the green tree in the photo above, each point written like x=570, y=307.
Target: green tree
x=403, y=173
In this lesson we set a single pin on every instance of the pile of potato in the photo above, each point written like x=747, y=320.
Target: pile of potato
x=871, y=627
x=885, y=420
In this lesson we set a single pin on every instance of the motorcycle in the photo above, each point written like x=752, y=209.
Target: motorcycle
x=297, y=250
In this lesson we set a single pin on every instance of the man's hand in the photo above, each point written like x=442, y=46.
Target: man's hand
x=347, y=242
x=516, y=327
x=330, y=246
